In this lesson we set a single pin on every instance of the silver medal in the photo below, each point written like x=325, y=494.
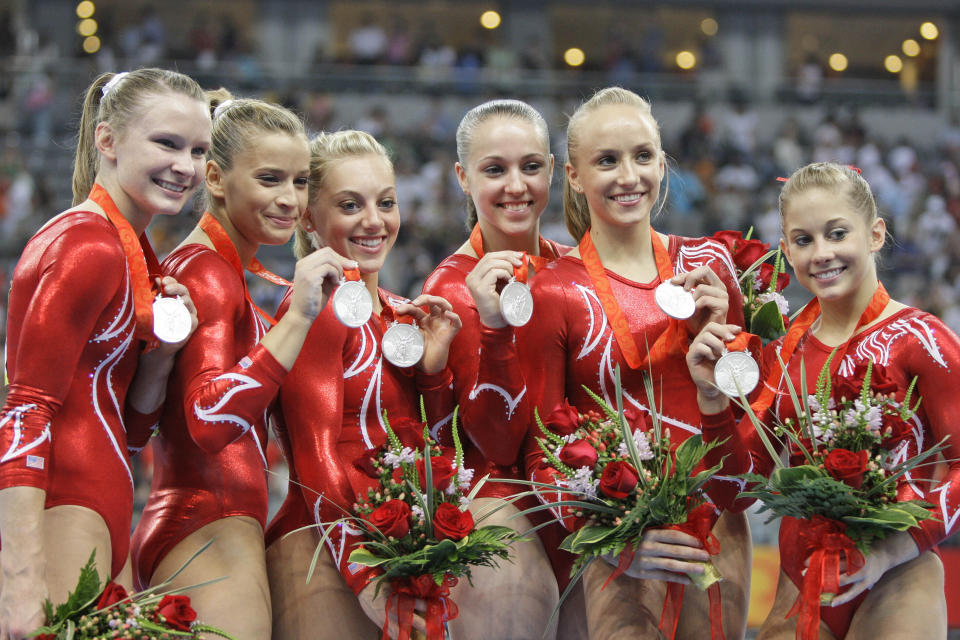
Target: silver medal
x=516, y=303
x=352, y=303
x=402, y=344
x=736, y=372
x=675, y=301
x=171, y=319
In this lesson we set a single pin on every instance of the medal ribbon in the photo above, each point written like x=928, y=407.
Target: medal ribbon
x=225, y=247
x=440, y=607
x=140, y=258
x=799, y=327
x=673, y=340
x=547, y=254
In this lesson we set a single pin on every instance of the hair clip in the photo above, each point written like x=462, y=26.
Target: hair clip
x=782, y=179
x=112, y=83
x=223, y=106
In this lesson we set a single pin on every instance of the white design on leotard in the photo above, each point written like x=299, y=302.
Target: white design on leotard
x=211, y=415
x=14, y=419
x=511, y=401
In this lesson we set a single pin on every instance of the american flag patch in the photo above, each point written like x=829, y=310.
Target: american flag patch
x=353, y=567
x=35, y=462
x=245, y=362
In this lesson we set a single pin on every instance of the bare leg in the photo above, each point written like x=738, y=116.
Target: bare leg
x=907, y=602
x=573, y=616
x=513, y=602
x=236, y=554
x=70, y=533
x=776, y=626
x=323, y=609
x=627, y=608
x=733, y=562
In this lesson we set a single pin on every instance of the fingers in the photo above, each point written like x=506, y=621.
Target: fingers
x=700, y=276
x=855, y=590
x=670, y=543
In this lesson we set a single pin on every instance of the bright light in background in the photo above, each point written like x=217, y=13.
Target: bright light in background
x=709, y=26
x=838, y=62
x=929, y=31
x=911, y=47
x=490, y=19
x=574, y=56
x=85, y=9
x=91, y=44
x=87, y=27
x=686, y=60
x=893, y=64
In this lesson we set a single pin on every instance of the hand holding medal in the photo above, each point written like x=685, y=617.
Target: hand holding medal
x=721, y=364
x=352, y=303
x=433, y=320
x=174, y=316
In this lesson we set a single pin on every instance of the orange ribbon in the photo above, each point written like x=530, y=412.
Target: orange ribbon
x=547, y=254
x=799, y=327
x=440, y=608
x=225, y=247
x=823, y=540
x=673, y=340
x=140, y=259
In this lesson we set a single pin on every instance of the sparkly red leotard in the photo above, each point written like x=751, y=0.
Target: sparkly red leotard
x=333, y=403
x=909, y=343
x=71, y=355
x=572, y=344
x=209, y=454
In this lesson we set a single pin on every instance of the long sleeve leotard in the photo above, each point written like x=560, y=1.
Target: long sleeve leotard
x=333, y=403
x=909, y=343
x=571, y=344
x=71, y=355
x=210, y=451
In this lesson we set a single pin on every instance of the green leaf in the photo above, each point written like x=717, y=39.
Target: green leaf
x=84, y=595
x=367, y=559
x=585, y=537
x=767, y=322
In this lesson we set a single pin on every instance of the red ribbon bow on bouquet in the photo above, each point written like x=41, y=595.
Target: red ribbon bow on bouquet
x=699, y=524
x=440, y=608
x=822, y=540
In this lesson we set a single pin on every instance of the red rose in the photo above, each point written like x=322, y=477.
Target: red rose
x=442, y=469
x=847, y=466
x=638, y=419
x=563, y=420
x=176, y=612
x=450, y=522
x=45, y=636
x=766, y=274
x=894, y=431
x=365, y=461
x=618, y=479
x=850, y=386
x=578, y=453
x=409, y=431
x=730, y=238
x=748, y=252
x=112, y=594
x=392, y=518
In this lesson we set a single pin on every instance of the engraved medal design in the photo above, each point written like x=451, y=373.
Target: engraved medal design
x=736, y=369
x=352, y=304
x=516, y=303
x=402, y=344
x=171, y=319
x=675, y=301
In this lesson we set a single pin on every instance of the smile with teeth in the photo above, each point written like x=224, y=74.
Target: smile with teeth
x=826, y=275
x=627, y=197
x=515, y=206
x=370, y=243
x=171, y=186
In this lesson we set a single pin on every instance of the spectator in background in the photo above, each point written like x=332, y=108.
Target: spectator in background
x=367, y=42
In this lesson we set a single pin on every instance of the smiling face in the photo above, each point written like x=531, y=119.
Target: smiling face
x=157, y=159
x=264, y=192
x=507, y=174
x=618, y=165
x=830, y=244
x=355, y=212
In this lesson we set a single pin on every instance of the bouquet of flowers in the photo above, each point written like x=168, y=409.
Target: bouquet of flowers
x=626, y=477
x=92, y=612
x=761, y=282
x=852, y=436
x=418, y=530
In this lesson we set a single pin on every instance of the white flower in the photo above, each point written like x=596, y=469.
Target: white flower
x=782, y=305
x=451, y=489
x=393, y=459
x=582, y=482
x=464, y=476
x=417, y=512
x=133, y=623
x=573, y=437
x=643, y=446
x=113, y=623
x=464, y=503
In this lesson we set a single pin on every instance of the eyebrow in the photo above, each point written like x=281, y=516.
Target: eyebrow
x=536, y=154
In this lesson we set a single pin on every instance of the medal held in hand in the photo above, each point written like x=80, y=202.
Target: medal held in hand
x=516, y=303
x=171, y=319
x=351, y=301
x=736, y=372
x=675, y=301
x=402, y=344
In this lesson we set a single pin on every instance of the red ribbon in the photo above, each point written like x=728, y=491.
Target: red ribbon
x=699, y=524
x=822, y=540
x=440, y=608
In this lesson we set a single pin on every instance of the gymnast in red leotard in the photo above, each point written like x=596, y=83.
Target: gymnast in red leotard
x=334, y=398
x=80, y=314
x=209, y=479
x=505, y=169
x=831, y=232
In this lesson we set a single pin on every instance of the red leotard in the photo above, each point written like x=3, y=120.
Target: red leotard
x=333, y=403
x=571, y=343
x=209, y=454
x=909, y=343
x=71, y=355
